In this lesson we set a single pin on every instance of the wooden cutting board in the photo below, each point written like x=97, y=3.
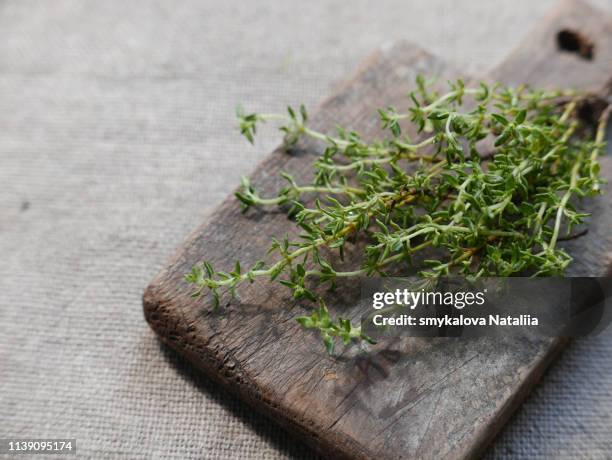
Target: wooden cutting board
x=413, y=398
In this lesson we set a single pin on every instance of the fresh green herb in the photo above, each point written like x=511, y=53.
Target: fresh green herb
x=489, y=186
x=330, y=330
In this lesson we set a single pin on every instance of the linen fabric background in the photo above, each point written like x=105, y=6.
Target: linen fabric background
x=117, y=138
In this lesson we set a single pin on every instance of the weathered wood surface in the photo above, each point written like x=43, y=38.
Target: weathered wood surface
x=415, y=398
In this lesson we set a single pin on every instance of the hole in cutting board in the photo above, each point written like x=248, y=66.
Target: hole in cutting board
x=574, y=42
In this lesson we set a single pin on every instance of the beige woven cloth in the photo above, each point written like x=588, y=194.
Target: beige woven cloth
x=117, y=138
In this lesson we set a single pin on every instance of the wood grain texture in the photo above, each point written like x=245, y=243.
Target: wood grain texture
x=413, y=398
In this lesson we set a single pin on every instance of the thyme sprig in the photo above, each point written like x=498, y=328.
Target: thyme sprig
x=489, y=183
